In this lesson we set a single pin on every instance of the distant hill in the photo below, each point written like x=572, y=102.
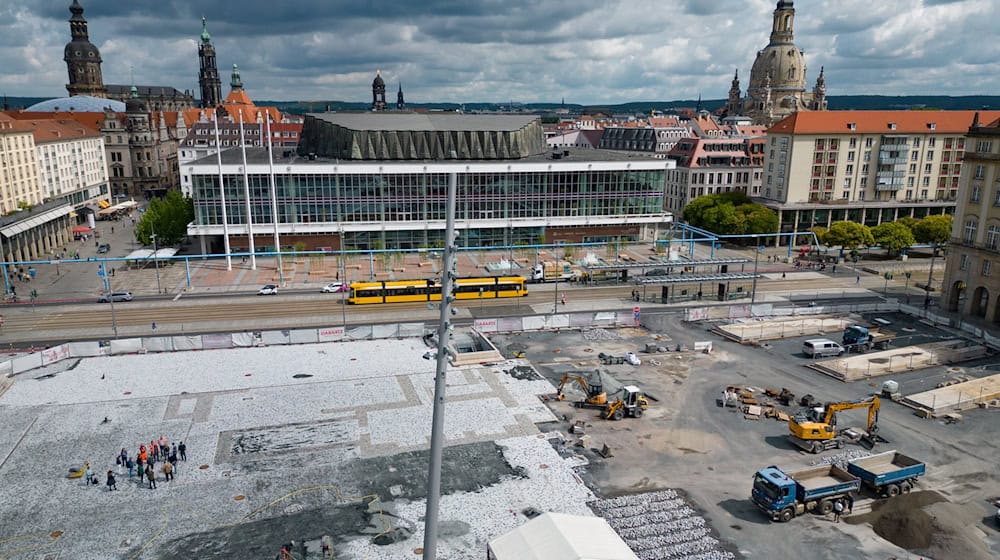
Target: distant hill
x=15, y=103
x=836, y=103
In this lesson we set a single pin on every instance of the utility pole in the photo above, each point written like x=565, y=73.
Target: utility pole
x=437, y=425
x=756, y=259
x=156, y=263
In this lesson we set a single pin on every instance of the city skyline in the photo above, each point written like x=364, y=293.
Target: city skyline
x=585, y=51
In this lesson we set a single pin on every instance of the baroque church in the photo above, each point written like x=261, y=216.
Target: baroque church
x=83, y=61
x=778, y=77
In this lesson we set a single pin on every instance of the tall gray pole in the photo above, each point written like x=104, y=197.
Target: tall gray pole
x=222, y=195
x=930, y=278
x=246, y=193
x=437, y=426
x=156, y=263
x=274, y=198
x=756, y=258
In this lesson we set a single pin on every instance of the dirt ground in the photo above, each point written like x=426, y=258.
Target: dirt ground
x=685, y=442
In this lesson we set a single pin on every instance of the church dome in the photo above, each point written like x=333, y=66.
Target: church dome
x=378, y=81
x=82, y=51
x=77, y=103
x=785, y=66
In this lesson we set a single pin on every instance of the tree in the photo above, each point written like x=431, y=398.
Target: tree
x=849, y=235
x=909, y=221
x=893, y=236
x=730, y=213
x=934, y=229
x=820, y=233
x=168, y=218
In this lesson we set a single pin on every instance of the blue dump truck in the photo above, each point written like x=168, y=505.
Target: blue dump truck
x=887, y=474
x=783, y=495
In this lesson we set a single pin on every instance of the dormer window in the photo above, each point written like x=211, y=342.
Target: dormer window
x=892, y=126
x=852, y=126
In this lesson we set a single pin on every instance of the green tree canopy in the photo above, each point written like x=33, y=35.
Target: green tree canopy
x=168, y=218
x=909, y=222
x=893, y=236
x=820, y=232
x=934, y=229
x=730, y=213
x=849, y=235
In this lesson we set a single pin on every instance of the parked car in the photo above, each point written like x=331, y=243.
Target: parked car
x=115, y=296
x=269, y=290
x=335, y=287
x=103, y=248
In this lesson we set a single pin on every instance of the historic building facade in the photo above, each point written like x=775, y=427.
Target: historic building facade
x=71, y=161
x=971, y=286
x=713, y=166
x=864, y=166
x=778, y=77
x=83, y=61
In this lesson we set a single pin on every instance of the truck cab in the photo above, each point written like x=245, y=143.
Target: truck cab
x=774, y=493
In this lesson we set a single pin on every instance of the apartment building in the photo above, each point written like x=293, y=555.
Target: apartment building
x=971, y=285
x=18, y=166
x=864, y=166
x=712, y=166
x=71, y=161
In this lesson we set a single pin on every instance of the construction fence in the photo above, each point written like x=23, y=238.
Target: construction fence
x=245, y=339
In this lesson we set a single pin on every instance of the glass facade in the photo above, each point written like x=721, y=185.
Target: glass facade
x=421, y=197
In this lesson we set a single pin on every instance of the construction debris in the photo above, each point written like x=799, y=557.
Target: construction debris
x=661, y=525
x=841, y=459
x=600, y=334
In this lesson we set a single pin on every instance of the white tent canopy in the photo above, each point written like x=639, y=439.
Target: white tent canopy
x=559, y=536
x=142, y=254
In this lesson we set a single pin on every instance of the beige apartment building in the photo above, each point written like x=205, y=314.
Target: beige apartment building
x=971, y=285
x=18, y=166
x=864, y=166
x=71, y=161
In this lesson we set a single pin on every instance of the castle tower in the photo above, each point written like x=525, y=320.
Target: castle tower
x=235, y=82
x=400, y=102
x=378, y=92
x=83, y=60
x=734, y=103
x=819, y=93
x=208, y=75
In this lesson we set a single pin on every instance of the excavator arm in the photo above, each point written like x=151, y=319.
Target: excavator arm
x=873, y=404
x=595, y=393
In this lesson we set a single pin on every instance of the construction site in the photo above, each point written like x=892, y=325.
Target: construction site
x=657, y=428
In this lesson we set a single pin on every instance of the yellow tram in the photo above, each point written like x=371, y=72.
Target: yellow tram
x=401, y=291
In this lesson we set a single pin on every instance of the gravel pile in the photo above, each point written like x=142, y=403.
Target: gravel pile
x=601, y=334
x=841, y=459
x=661, y=525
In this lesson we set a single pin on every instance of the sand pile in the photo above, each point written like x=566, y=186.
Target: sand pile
x=927, y=524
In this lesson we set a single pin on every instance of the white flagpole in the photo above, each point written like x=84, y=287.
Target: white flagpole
x=246, y=193
x=222, y=194
x=274, y=198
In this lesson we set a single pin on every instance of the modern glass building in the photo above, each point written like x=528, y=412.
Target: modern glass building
x=586, y=196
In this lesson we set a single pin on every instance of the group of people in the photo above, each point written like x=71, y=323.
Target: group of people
x=143, y=464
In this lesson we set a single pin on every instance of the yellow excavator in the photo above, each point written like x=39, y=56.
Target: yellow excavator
x=596, y=396
x=815, y=429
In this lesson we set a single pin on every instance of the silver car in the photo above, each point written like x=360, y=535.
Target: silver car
x=115, y=296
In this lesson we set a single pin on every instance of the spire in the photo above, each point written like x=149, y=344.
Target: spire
x=205, y=37
x=77, y=23
x=697, y=108
x=975, y=120
x=133, y=91
x=235, y=83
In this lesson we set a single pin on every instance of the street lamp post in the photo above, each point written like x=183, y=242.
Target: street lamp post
x=156, y=262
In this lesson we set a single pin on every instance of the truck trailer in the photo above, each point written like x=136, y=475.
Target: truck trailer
x=783, y=495
x=887, y=474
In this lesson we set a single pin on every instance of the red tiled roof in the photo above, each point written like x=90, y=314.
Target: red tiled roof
x=56, y=130
x=92, y=120
x=878, y=122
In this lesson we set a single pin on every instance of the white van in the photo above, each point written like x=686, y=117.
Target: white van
x=821, y=347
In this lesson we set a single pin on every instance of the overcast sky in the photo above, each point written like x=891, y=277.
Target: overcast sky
x=588, y=51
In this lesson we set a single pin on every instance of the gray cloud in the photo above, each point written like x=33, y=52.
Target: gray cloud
x=588, y=51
